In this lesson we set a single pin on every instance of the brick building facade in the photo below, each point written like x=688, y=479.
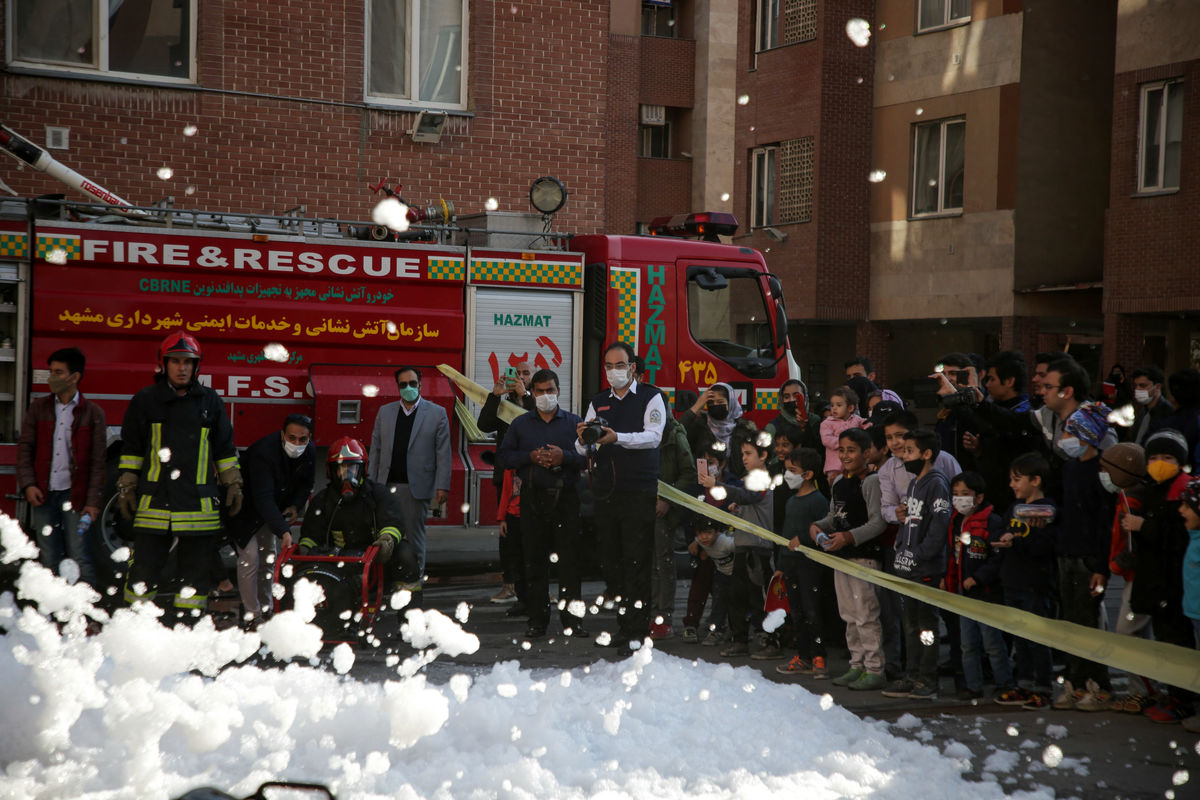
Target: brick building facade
x=284, y=116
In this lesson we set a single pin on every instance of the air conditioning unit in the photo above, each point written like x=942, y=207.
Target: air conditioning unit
x=654, y=115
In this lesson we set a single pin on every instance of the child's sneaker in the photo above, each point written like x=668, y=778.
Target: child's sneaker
x=1016, y=696
x=689, y=636
x=848, y=677
x=736, y=649
x=1132, y=704
x=660, y=630
x=768, y=652
x=713, y=638
x=1067, y=698
x=898, y=688
x=1171, y=709
x=818, y=668
x=1094, y=698
x=868, y=682
x=797, y=666
x=923, y=691
x=1036, y=702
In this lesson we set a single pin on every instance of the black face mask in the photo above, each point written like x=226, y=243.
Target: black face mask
x=915, y=466
x=789, y=406
x=718, y=412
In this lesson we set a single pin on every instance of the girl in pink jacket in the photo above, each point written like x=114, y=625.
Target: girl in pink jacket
x=843, y=405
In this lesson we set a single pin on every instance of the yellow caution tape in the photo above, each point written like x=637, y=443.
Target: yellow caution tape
x=467, y=421
x=508, y=410
x=1171, y=664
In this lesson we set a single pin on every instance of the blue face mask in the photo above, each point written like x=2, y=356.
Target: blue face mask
x=409, y=394
x=1072, y=446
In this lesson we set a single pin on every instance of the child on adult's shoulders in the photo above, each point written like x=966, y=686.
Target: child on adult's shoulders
x=843, y=408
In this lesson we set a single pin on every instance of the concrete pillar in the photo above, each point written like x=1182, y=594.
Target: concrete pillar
x=713, y=113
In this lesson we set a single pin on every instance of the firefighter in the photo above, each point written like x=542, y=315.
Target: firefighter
x=353, y=512
x=176, y=446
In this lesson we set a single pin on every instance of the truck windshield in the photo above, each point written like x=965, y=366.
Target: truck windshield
x=727, y=315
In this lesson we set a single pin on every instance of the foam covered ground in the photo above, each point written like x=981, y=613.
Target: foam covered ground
x=140, y=711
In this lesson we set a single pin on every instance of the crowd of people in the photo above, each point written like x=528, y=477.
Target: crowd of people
x=1030, y=498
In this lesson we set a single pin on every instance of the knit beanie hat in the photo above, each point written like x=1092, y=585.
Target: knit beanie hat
x=1126, y=464
x=1168, y=442
x=1089, y=423
x=1191, y=494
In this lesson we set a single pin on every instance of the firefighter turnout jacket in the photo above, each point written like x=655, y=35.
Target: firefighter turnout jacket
x=336, y=522
x=177, y=444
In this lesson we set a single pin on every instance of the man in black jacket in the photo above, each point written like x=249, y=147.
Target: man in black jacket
x=278, y=479
x=176, y=448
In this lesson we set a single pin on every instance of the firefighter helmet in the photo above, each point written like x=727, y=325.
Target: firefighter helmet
x=180, y=344
x=349, y=452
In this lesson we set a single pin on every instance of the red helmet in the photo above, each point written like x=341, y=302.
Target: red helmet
x=180, y=344
x=347, y=451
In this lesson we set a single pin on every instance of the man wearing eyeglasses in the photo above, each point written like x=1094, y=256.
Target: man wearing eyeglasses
x=624, y=461
x=410, y=452
x=278, y=479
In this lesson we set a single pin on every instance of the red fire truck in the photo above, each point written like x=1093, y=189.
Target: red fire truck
x=308, y=315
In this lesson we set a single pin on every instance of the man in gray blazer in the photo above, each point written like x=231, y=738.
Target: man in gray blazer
x=410, y=452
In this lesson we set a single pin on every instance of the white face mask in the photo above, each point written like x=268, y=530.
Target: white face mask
x=793, y=479
x=617, y=378
x=294, y=450
x=963, y=505
x=1107, y=482
x=1072, y=446
x=546, y=402
x=1142, y=396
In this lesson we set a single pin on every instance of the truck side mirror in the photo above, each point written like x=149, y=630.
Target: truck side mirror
x=781, y=325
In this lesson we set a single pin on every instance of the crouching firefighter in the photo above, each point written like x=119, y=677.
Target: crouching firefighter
x=176, y=452
x=353, y=512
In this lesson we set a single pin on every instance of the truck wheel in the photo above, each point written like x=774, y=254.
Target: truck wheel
x=110, y=533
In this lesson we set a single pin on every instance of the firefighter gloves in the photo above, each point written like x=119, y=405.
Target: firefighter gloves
x=231, y=479
x=386, y=544
x=127, y=483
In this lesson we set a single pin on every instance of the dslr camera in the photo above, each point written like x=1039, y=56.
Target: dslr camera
x=963, y=397
x=593, y=431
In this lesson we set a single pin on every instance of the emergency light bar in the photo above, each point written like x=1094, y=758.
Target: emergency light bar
x=708, y=225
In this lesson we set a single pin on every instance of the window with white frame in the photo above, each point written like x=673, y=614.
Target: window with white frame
x=933, y=14
x=1160, y=136
x=938, y=158
x=417, y=52
x=149, y=38
x=767, y=34
x=762, y=186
